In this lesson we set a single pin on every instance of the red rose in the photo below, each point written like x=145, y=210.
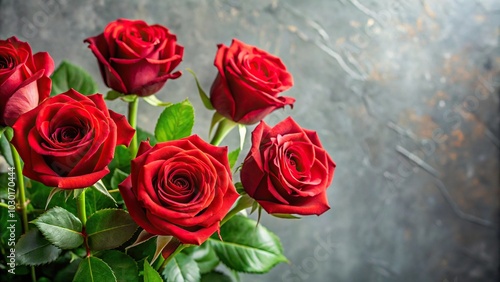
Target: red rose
x=69, y=140
x=181, y=188
x=135, y=58
x=249, y=81
x=24, y=79
x=287, y=171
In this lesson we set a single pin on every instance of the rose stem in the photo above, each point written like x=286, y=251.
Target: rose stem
x=22, y=193
x=132, y=119
x=223, y=129
x=20, y=181
x=170, y=257
x=80, y=208
x=82, y=215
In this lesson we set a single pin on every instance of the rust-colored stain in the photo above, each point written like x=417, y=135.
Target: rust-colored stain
x=408, y=29
x=355, y=24
x=452, y=156
x=376, y=75
x=420, y=24
x=456, y=68
x=423, y=125
x=340, y=41
x=458, y=138
x=438, y=96
x=428, y=10
x=478, y=130
x=479, y=18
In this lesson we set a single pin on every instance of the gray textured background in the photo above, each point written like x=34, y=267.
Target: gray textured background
x=404, y=95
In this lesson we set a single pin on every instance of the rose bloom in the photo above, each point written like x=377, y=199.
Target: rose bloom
x=287, y=171
x=24, y=79
x=136, y=58
x=249, y=81
x=181, y=188
x=69, y=140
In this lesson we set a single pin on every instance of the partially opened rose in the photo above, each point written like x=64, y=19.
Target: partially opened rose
x=69, y=140
x=24, y=79
x=136, y=58
x=287, y=170
x=249, y=82
x=181, y=188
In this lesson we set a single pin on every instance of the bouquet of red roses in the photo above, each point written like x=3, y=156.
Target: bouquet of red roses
x=89, y=196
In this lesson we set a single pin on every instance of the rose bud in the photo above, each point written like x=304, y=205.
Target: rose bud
x=69, y=139
x=287, y=170
x=249, y=81
x=136, y=58
x=181, y=188
x=24, y=79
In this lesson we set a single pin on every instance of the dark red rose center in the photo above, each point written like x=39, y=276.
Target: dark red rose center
x=292, y=160
x=259, y=69
x=144, y=36
x=67, y=134
x=180, y=182
x=7, y=62
x=176, y=189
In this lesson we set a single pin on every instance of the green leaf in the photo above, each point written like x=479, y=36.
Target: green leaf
x=121, y=159
x=43, y=197
x=110, y=228
x=99, y=187
x=95, y=201
x=117, y=178
x=215, y=276
x=33, y=249
x=77, y=192
x=143, y=135
x=205, y=257
x=144, y=249
x=255, y=206
x=129, y=98
x=233, y=157
x=182, y=268
x=5, y=148
x=284, y=215
x=150, y=274
x=61, y=228
x=152, y=100
x=239, y=188
x=92, y=269
x=68, y=76
x=124, y=267
x=68, y=270
x=113, y=95
x=2, y=129
x=203, y=95
x=175, y=122
x=247, y=248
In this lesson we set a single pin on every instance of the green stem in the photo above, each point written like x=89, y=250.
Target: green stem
x=20, y=181
x=80, y=208
x=132, y=119
x=223, y=129
x=167, y=260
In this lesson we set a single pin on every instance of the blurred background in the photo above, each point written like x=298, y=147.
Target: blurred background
x=404, y=95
